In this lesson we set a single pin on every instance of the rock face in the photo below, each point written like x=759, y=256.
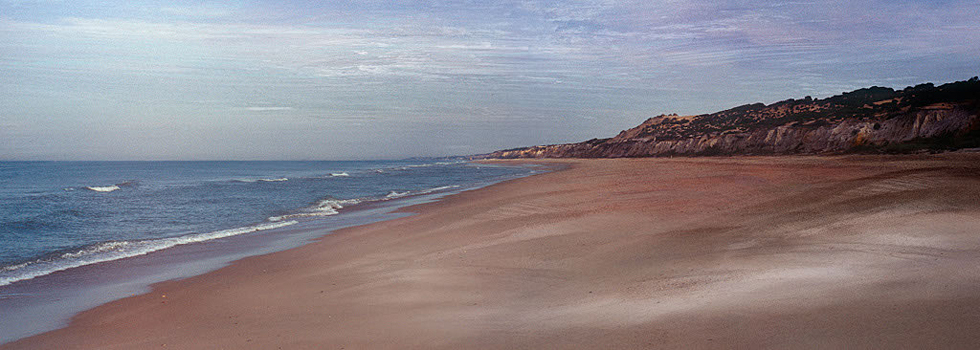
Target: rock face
x=867, y=120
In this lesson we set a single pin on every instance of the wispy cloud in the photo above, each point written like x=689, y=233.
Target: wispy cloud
x=267, y=109
x=599, y=65
x=199, y=11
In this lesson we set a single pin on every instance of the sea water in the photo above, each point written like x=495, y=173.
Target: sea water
x=60, y=216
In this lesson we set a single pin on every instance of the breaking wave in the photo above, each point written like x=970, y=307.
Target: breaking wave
x=115, y=250
x=104, y=189
x=331, y=206
x=277, y=179
x=396, y=194
x=324, y=207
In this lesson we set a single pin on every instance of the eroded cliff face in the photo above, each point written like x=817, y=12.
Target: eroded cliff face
x=807, y=126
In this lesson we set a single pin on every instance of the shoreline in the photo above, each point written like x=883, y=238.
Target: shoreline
x=49, y=302
x=758, y=251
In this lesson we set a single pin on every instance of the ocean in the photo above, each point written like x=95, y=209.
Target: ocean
x=65, y=216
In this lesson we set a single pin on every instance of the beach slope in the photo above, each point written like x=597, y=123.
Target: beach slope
x=773, y=252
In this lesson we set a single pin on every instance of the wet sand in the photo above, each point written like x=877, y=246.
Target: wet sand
x=756, y=252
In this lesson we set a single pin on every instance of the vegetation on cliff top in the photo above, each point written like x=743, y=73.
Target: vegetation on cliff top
x=869, y=120
x=873, y=103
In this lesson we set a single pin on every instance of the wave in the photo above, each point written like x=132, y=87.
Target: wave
x=102, y=188
x=413, y=166
x=56, y=219
x=426, y=165
x=331, y=206
x=339, y=174
x=115, y=250
x=436, y=189
x=325, y=207
x=277, y=179
x=396, y=194
x=109, y=188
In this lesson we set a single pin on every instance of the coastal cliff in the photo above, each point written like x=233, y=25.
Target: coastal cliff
x=870, y=120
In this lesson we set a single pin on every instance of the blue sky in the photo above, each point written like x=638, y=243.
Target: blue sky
x=390, y=79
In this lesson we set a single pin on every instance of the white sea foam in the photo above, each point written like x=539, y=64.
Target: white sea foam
x=14, y=267
x=328, y=207
x=426, y=165
x=324, y=207
x=102, y=188
x=440, y=188
x=339, y=174
x=301, y=215
x=436, y=189
x=116, y=250
x=337, y=203
x=396, y=194
x=109, y=188
x=278, y=179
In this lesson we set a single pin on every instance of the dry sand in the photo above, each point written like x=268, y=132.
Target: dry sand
x=767, y=252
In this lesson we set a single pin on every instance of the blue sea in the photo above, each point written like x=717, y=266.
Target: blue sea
x=59, y=215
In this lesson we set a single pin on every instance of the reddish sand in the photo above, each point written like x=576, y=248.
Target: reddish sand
x=774, y=252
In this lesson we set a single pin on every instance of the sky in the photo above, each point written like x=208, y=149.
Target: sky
x=338, y=80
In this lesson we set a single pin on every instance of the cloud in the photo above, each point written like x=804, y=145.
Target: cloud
x=596, y=66
x=22, y=3
x=200, y=11
x=268, y=109
x=566, y=41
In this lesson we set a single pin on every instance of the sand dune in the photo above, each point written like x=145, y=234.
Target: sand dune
x=766, y=252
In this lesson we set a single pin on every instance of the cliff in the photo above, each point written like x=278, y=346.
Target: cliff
x=871, y=120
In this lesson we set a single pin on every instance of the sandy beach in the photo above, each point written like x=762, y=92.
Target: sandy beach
x=743, y=252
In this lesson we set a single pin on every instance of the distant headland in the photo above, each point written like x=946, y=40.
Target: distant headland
x=921, y=118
